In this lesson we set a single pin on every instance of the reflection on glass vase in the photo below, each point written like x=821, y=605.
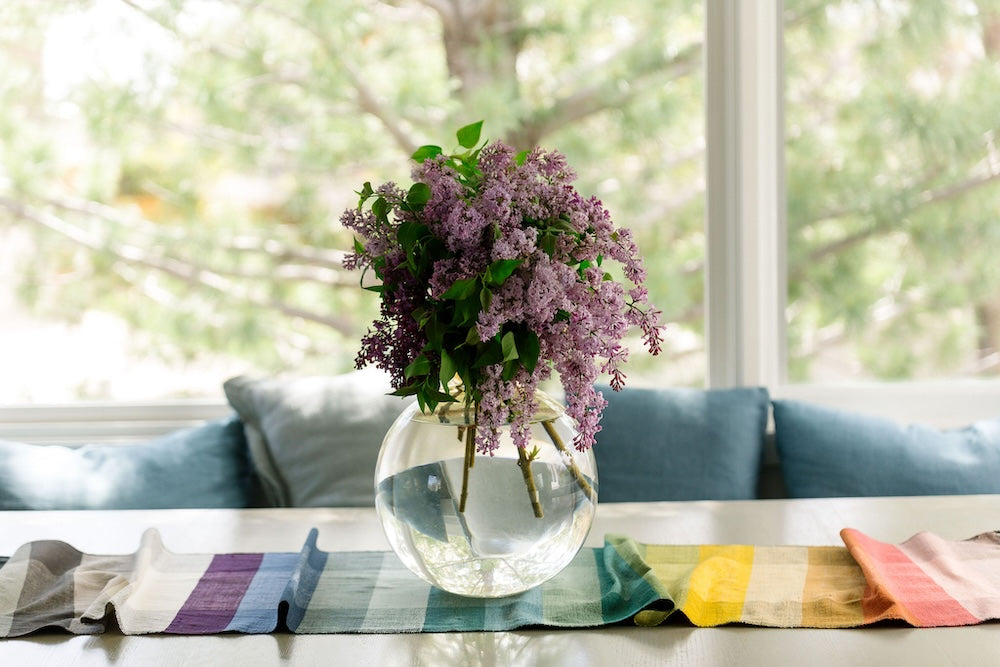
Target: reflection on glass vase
x=497, y=527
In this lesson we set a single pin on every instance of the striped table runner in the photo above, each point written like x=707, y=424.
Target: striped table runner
x=926, y=581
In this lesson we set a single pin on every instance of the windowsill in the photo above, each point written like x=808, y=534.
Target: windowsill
x=940, y=403
x=104, y=421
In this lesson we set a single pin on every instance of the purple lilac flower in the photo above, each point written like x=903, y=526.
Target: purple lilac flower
x=530, y=213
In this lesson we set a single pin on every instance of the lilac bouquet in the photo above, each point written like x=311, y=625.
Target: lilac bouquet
x=491, y=271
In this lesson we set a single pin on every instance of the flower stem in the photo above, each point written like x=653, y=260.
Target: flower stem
x=470, y=459
x=529, y=481
x=568, y=458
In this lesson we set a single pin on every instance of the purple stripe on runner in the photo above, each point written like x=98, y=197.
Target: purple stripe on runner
x=215, y=599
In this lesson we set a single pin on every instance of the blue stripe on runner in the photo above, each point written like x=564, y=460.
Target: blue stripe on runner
x=258, y=611
x=299, y=591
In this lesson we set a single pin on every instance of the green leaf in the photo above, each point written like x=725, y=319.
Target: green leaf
x=434, y=331
x=491, y=354
x=468, y=136
x=407, y=390
x=500, y=270
x=529, y=349
x=421, y=315
x=548, y=244
x=562, y=225
x=466, y=311
x=521, y=157
x=429, y=395
x=421, y=365
x=448, y=368
x=472, y=337
x=425, y=153
x=508, y=346
x=409, y=233
x=419, y=194
x=366, y=192
x=461, y=289
x=381, y=208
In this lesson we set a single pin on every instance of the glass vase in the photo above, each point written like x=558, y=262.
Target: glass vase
x=500, y=526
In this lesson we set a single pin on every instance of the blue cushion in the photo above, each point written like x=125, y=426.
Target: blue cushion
x=826, y=452
x=206, y=466
x=681, y=444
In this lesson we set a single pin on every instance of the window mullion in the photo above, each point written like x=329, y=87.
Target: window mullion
x=745, y=221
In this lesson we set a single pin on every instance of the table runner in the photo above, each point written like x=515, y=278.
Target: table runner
x=925, y=581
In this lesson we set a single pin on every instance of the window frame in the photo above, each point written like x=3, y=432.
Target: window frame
x=745, y=194
x=745, y=263
x=747, y=236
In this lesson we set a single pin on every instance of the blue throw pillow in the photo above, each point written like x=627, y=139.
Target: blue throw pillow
x=206, y=466
x=826, y=453
x=681, y=444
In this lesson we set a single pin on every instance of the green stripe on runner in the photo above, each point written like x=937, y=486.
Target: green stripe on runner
x=641, y=594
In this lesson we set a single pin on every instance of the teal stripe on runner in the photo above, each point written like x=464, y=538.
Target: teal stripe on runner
x=630, y=592
x=343, y=592
x=514, y=612
x=447, y=612
x=573, y=597
x=399, y=600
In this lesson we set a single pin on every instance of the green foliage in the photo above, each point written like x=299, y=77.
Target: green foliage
x=211, y=173
x=891, y=204
x=453, y=348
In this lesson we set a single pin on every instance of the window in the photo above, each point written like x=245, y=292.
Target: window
x=893, y=183
x=750, y=248
x=171, y=174
x=171, y=185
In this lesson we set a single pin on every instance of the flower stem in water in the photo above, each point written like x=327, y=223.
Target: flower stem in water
x=470, y=459
x=568, y=459
x=525, y=464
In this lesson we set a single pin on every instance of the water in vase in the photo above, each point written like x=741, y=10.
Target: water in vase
x=497, y=546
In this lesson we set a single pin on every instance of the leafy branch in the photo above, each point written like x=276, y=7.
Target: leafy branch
x=190, y=273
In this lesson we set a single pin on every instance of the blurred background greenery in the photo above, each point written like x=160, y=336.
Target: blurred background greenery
x=178, y=168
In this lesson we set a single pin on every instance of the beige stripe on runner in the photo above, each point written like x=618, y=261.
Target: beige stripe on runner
x=774, y=594
x=834, y=587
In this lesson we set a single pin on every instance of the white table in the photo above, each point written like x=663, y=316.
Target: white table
x=810, y=522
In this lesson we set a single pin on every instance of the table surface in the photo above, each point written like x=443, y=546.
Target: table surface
x=760, y=522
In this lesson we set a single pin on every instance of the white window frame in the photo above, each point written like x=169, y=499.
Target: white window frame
x=745, y=279
x=745, y=220
x=746, y=232
x=109, y=422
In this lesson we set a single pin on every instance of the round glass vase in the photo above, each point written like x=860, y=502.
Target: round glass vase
x=501, y=526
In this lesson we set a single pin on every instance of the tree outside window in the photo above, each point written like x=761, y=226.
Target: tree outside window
x=174, y=171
